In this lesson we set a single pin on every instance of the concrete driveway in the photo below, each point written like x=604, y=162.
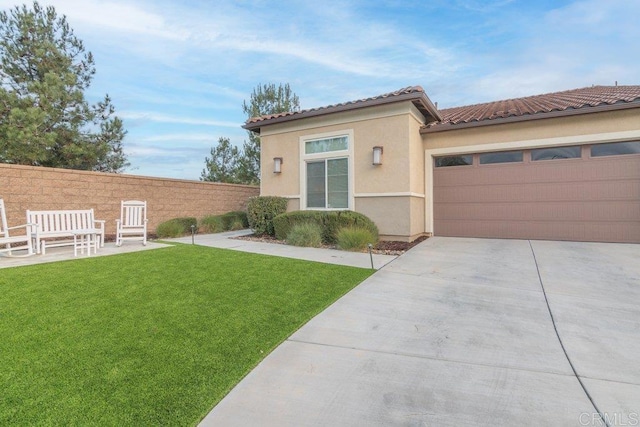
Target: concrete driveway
x=458, y=332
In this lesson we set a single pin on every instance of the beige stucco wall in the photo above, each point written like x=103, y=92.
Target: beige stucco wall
x=534, y=130
x=383, y=192
x=391, y=215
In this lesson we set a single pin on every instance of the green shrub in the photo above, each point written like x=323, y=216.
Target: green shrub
x=236, y=220
x=211, y=224
x=237, y=225
x=338, y=220
x=307, y=234
x=329, y=221
x=230, y=220
x=283, y=223
x=261, y=211
x=176, y=227
x=354, y=238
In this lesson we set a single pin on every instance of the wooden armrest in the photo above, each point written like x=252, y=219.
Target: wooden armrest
x=21, y=226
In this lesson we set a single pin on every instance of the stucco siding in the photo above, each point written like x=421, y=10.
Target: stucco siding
x=587, y=124
x=392, y=175
x=416, y=155
x=286, y=183
x=417, y=206
x=392, y=215
x=394, y=127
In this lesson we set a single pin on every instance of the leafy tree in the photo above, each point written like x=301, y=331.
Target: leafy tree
x=44, y=117
x=265, y=99
x=223, y=164
x=228, y=164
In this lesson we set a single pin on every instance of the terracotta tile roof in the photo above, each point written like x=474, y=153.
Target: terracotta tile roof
x=575, y=101
x=566, y=101
x=415, y=94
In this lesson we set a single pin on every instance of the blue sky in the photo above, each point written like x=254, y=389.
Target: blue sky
x=178, y=71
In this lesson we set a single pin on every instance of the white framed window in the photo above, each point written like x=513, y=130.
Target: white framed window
x=326, y=171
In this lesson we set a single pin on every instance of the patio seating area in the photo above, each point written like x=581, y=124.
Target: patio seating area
x=78, y=228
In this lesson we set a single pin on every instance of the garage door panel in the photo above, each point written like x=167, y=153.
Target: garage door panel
x=594, y=231
x=514, y=229
x=578, y=199
x=618, y=167
x=564, y=191
x=550, y=211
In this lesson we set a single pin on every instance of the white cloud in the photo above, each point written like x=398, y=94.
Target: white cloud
x=193, y=137
x=117, y=17
x=166, y=118
x=574, y=46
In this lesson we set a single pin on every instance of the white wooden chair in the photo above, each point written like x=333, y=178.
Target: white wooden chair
x=132, y=224
x=8, y=243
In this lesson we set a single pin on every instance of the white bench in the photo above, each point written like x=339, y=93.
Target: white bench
x=79, y=225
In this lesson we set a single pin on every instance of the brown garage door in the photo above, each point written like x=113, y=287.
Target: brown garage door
x=581, y=193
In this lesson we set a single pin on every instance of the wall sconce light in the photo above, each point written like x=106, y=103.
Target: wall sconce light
x=377, y=155
x=277, y=164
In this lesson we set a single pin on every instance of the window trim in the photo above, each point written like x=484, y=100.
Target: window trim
x=348, y=154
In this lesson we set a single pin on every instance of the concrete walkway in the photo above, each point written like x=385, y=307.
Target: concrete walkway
x=327, y=256
x=218, y=240
x=65, y=253
x=458, y=332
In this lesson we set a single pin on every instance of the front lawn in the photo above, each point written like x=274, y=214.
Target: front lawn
x=149, y=338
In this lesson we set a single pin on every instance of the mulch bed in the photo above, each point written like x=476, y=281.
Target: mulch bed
x=382, y=248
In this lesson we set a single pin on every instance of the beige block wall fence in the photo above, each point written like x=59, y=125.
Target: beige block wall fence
x=39, y=188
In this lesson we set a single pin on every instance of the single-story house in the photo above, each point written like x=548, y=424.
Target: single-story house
x=558, y=166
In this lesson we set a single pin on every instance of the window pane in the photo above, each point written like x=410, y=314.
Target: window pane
x=315, y=185
x=324, y=145
x=338, y=182
x=453, y=161
x=572, y=152
x=501, y=157
x=615, y=149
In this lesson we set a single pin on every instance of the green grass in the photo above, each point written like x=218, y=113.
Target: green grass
x=148, y=338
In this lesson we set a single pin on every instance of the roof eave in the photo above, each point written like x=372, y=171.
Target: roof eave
x=529, y=117
x=419, y=99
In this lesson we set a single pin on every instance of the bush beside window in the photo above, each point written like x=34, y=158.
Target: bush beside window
x=262, y=210
x=307, y=234
x=329, y=221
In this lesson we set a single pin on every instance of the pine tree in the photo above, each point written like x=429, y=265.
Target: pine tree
x=227, y=163
x=223, y=164
x=265, y=99
x=45, y=119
